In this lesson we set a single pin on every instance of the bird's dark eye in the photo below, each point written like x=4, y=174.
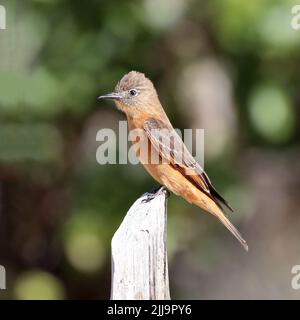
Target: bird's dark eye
x=133, y=92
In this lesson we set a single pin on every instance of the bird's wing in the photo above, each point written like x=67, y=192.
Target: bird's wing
x=171, y=149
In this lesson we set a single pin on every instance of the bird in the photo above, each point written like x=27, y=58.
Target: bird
x=136, y=96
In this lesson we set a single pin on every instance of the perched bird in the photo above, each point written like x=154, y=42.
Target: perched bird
x=136, y=96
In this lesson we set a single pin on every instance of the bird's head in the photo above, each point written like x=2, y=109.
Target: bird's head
x=133, y=93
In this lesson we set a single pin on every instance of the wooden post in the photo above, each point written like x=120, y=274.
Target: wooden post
x=139, y=251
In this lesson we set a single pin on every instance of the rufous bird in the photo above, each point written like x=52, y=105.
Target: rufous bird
x=136, y=96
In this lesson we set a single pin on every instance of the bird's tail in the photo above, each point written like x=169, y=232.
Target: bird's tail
x=232, y=229
x=210, y=206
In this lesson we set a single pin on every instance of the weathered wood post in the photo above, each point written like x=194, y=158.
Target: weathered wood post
x=139, y=251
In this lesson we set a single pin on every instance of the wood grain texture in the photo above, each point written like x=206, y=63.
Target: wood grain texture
x=139, y=251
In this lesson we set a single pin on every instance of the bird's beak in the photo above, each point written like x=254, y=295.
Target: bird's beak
x=112, y=96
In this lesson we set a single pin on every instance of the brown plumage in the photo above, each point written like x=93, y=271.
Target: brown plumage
x=136, y=96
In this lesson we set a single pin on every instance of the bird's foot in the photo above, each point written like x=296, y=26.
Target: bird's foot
x=154, y=192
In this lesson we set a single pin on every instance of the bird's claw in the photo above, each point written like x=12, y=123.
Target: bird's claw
x=150, y=197
x=153, y=193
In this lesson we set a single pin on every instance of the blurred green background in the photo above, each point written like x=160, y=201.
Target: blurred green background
x=228, y=66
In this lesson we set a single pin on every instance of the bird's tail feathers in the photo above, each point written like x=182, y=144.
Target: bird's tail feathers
x=215, y=209
x=232, y=229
